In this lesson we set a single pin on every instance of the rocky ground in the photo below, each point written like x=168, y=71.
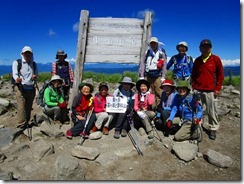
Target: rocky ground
x=51, y=156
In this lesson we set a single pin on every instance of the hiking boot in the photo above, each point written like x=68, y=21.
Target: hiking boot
x=105, y=131
x=69, y=134
x=94, y=129
x=57, y=122
x=116, y=135
x=212, y=135
x=150, y=135
x=123, y=133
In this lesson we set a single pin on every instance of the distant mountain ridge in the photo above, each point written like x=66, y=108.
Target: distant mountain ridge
x=108, y=68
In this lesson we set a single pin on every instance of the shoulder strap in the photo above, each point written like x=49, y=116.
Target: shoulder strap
x=34, y=66
x=148, y=52
x=19, y=61
x=186, y=102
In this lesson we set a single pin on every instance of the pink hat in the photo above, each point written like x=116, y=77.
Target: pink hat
x=167, y=82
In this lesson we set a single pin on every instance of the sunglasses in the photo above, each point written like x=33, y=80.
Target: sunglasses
x=205, y=46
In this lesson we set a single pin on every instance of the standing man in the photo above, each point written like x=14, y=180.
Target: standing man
x=153, y=68
x=207, y=78
x=24, y=72
x=64, y=70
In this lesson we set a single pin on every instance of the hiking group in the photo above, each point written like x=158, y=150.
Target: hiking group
x=155, y=101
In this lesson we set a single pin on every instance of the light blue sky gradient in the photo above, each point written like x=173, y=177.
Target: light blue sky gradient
x=49, y=25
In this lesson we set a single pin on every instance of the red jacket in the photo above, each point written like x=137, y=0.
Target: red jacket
x=99, y=103
x=207, y=76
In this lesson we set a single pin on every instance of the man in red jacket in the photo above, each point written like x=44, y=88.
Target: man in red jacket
x=207, y=78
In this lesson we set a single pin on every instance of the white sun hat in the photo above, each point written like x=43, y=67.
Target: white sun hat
x=27, y=49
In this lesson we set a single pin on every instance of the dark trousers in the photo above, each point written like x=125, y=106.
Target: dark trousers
x=164, y=116
x=79, y=125
x=122, y=122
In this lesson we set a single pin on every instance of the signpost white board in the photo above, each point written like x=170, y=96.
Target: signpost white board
x=116, y=104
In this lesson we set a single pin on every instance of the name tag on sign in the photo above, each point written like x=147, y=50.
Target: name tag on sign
x=116, y=104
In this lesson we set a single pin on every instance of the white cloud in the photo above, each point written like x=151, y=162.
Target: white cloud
x=229, y=62
x=141, y=13
x=225, y=62
x=76, y=27
x=72, y=60
x=51, y=32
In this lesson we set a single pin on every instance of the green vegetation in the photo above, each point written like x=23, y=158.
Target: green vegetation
x=234, y=81
x=116, y=78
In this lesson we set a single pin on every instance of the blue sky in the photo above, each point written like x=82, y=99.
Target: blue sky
x=49, y=25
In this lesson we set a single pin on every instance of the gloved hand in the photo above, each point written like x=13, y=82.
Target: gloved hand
x=160, y=64
x=71, y=84
x=62, y=105
x=197, y=121
x=141, y=114
x=169, y=124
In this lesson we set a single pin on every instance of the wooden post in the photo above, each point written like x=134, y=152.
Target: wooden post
x=80, y=52
x=147, y=30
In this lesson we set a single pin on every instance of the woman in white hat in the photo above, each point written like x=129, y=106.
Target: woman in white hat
x=182, y=62
x=55, y=106
x=124, y=90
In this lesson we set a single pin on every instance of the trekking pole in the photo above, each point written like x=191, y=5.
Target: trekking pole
x=83, y=133
x=155, y=129
x=134, y=144
x=35, y=84
x=133, y=136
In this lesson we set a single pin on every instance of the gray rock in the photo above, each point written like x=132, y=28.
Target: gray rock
x=85, y=152
x=67, y=168
x=7, y=135
x=41, y=149
x=218, y=159
x=185, y=150
x=107, y=158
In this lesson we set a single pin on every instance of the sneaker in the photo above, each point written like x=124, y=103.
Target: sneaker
x=69, y=134
x=94, y=129
x=212, y=135
x=105, y=131
x=84, y=135
x=150, y=135
x=116, y=135
x=123, y=133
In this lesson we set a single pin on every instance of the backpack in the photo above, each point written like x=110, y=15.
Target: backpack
x=154, y=73
x=19, y=66
x=40, y=95
x=188, y=60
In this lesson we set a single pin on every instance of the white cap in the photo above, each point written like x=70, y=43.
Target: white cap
x=153, y=39
x=183, y=43
x=26, y=49
x=56, y=77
